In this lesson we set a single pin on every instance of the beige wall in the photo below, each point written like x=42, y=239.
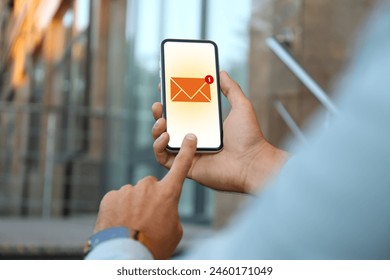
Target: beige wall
x=322, y=35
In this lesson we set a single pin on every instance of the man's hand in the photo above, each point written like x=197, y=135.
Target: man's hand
x=247, y=159
x=151, y=206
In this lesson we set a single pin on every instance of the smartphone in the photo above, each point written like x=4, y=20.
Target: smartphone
x=190, y=93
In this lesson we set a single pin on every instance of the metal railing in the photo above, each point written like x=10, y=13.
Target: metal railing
x=281, y=52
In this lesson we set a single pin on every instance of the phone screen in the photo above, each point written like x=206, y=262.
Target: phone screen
x=191, y=92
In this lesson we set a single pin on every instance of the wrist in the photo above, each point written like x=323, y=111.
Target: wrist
x=106, y=235
x=266, y=163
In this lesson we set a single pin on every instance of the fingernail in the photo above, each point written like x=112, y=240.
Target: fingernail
x=191, y=137
x=156, y=124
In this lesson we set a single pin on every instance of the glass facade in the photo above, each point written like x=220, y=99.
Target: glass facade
x=78, y=120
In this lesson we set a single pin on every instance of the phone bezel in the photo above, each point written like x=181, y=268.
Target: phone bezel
x=163, y=91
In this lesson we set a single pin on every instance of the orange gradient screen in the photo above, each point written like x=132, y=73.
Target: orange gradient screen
x=190, y=75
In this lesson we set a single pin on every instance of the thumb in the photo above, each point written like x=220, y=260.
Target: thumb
x=231, y=90
x=174, y=179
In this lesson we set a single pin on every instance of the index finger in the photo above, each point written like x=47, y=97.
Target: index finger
x=174, y=179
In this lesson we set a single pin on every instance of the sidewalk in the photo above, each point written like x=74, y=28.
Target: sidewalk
x=36, y=238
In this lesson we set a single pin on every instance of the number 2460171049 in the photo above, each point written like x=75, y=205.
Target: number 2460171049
x=242, y=270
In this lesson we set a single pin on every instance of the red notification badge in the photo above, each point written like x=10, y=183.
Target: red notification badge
x=209, y=79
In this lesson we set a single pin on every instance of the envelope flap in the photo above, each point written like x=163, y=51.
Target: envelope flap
x=190, y=85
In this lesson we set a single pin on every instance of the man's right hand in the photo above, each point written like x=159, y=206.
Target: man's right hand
x=246, y=161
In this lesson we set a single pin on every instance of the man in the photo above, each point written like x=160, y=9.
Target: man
x=329, y=201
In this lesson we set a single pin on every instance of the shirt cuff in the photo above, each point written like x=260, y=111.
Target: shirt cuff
x=120, y=249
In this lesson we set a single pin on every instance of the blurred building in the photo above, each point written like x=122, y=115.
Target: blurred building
x=78, y=78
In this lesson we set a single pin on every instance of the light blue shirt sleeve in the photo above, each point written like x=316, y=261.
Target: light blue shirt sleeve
x=332, y=198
